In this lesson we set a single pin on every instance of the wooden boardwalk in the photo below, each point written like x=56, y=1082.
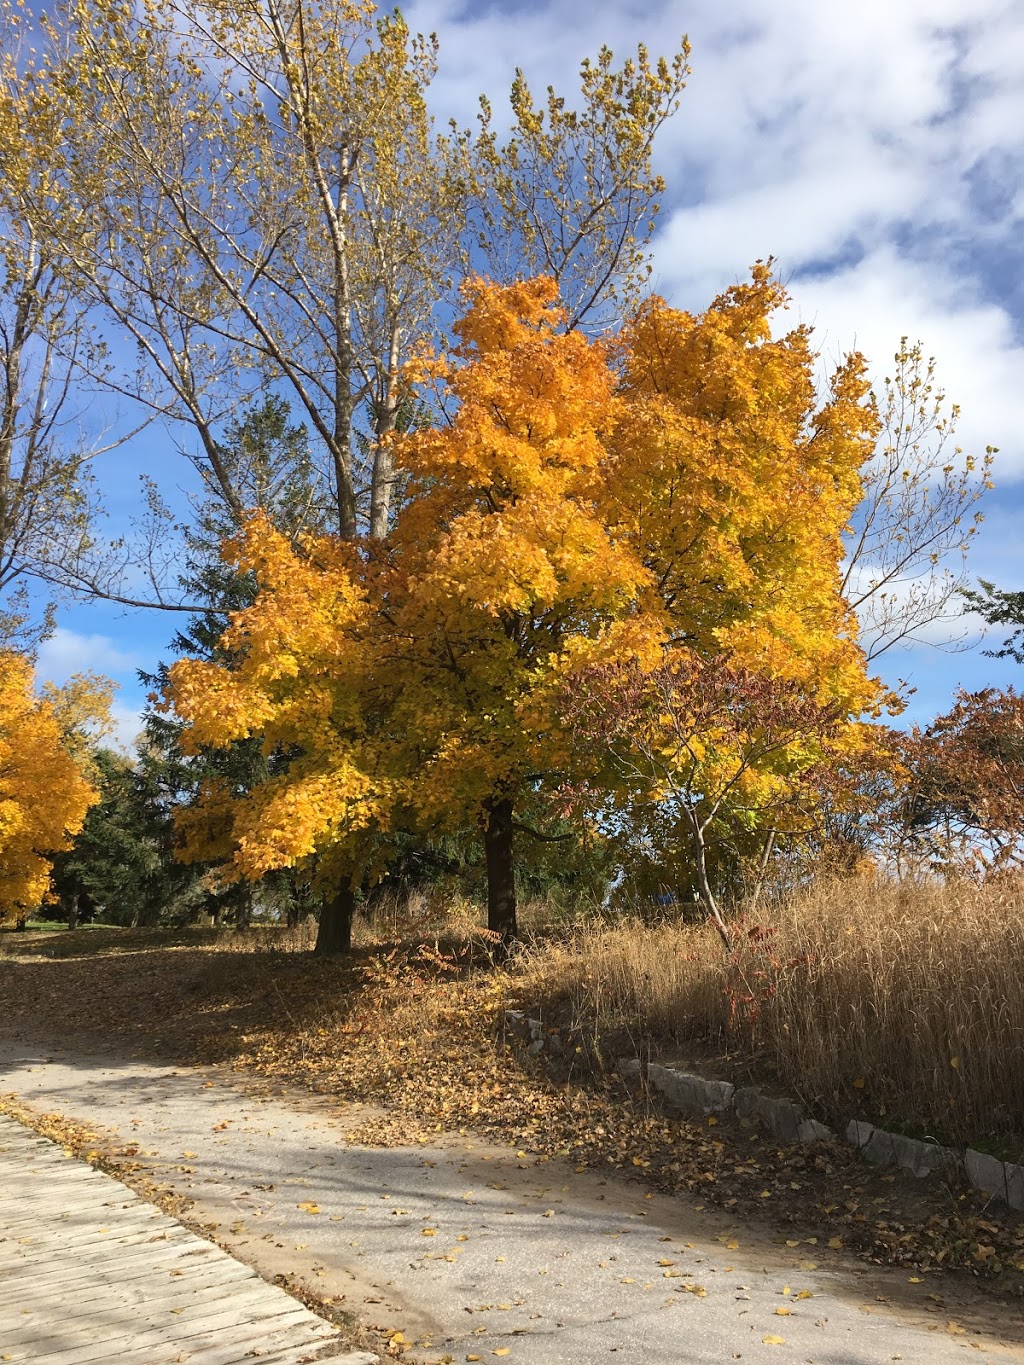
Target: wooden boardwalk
x=90, y=1273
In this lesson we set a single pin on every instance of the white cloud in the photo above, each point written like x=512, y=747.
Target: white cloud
x=67, y=652
x=875, y=150
x=980, y=363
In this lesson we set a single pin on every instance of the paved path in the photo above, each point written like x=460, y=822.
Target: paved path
x=473, y=1251
x=91, y=1273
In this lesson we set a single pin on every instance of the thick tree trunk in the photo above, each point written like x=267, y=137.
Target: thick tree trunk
x=501, y=873
x=73, y=911
x=334, y=936
x=243, y=910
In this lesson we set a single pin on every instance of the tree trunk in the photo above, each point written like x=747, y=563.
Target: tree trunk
x=73, y=911
x=501, y=873
x=334, y=936
x=706, y=893
x=383, y=476
x=243, y=910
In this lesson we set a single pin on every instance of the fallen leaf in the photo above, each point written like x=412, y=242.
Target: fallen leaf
x=771, y=1340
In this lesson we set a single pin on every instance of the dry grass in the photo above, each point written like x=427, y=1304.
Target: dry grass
x=902, y=1003
x=415, y=1026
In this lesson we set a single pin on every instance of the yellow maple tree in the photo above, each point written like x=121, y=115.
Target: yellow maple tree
x=586, y=504
x=46, y=784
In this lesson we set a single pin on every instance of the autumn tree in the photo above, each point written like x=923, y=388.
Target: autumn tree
x=46, y=784
x=583, y=506
x=688, y=500
x=962, y=800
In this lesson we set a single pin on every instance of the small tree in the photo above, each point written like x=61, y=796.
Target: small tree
x=698, y=751
x=962, y=805
x=907, y=542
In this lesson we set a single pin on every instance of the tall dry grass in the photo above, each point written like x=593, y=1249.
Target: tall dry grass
x=900, y=1003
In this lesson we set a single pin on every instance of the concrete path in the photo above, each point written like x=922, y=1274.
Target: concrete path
x=473, y=1251
x=91, y=1273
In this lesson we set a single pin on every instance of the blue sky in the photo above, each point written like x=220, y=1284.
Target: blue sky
x=875, y=150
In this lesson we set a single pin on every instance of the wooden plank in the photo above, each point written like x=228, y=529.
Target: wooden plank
x=130, y=1281
x=133, y=1326
x=132, y=1260
x=85, y=1238
x=140, y=1292
x=199, y=1342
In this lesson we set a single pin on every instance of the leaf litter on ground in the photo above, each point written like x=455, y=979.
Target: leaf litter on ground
x=424, y=1043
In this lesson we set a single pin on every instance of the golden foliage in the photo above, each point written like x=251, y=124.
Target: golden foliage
x=45, y=790
x=586, y=504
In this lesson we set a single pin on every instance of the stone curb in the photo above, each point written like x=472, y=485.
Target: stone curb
x=695, y=1096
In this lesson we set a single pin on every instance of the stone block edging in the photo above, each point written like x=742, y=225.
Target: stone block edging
x=694, y=1096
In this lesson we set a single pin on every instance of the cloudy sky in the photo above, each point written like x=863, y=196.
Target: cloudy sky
x=875, y=150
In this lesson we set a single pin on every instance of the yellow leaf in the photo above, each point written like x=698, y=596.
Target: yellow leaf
x=771, y=1340
x=502, y=1351
x=428, y=1232
x=783, y=1312
x=859, y=1083
x=835, y=1243
x=309, y=1208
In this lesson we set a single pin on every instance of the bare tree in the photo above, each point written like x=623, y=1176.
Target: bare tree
x=907, y=546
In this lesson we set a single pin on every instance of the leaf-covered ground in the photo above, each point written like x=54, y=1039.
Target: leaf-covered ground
x=414, y=1032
